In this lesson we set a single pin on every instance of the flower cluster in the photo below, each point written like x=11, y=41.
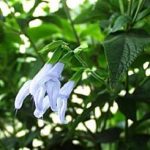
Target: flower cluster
x=46, y=91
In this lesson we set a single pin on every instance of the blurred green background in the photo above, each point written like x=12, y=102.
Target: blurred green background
x=110, y=107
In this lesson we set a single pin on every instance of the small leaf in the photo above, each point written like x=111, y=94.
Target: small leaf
x=143, y=14
x=52, y=46
x=120, y=22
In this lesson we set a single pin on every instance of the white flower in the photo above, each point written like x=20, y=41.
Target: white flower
x=64, y=94
x=22, y=94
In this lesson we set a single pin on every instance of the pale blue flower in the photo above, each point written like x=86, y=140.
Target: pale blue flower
x=64, y=94
x=22, y=94
x=39, y=96
x=48, y=76
x=53, y=85
x=45, y=82
x=40, y=78
x=44, y=106
x=56, y=70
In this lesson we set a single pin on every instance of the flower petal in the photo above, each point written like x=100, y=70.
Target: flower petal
x=45, y=106
x=53, y=88
x=62, y=107
x=64, y=93
x=57, y=70
x=67, y=88
x=59, y=105
x=41, y=77
x=22, y=94
x=39, y=96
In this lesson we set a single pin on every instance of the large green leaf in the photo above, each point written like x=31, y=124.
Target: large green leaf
x=44, y=30
x=122, y=49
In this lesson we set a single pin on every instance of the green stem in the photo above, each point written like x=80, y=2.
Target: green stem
x=94, y=74
x=140, y=4
x=121, y=6
x=36, y=3
x=81, y=61
x=127, y=83
x=71, y=21
x=11, y=28
x=33, y=45
x=130, y=3
x=84, y=64
x=106, y=118
x=126, y=119
x=126, y=129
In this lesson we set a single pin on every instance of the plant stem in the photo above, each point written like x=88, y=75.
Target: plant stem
x=126, y=119
x=84, y=64
x=126, y=129
x=130, y=4
x=121, y=6
x=141, y=2
x=106, y=118
x=25, y=33
x=33, y=45
x=71, y=21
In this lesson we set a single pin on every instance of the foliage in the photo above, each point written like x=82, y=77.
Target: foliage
x=110, y=106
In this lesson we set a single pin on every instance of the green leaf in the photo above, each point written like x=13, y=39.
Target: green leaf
x=120, y=22
x=121, y=49
x=56, y=55
x=97, y=12
x=52, y=46
x=143, y=14
x=42, y=31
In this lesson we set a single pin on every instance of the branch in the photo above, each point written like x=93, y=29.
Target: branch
x=24, y=32
x=71, y=21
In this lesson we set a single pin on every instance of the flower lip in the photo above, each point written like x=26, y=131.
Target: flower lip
x=62, y=99
x=52, y=88
x=38, y=114
x=39, y=98
x=67, y=88
x=63, y=96
x=44, y=105
x=22, y=94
